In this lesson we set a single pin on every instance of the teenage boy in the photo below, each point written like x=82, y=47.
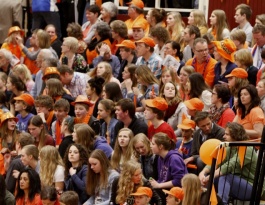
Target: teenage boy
x=61, y=110
x=155, y=112
x=174, y=196
x=142, y=196
x=194, y=105
x=23, y=105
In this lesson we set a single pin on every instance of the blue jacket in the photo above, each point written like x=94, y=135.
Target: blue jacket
x=44, y=5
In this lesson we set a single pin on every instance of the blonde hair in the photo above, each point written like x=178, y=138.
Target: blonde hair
x=244, y=57
x=221, y=23
x=199, y=18
x=238, y=35
x=176, y=31
x=117, y=152
x=23, y=69
x=49, y=160
x=125, y=185
x=106, y=75
x=72, y=43
x=191, y=186
x=141, y=137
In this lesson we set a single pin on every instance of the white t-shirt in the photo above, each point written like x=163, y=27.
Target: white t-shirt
x=59, y=174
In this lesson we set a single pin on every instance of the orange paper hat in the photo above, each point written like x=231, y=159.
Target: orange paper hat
x=127, y=44
x=186, y=123
x=143, y=191
x=158, y=102
x=27, y=98
x=176, y=192
x=7, y=115
x=226, y=49
x=239, y=73
x=49, y=71
x=82, y=99
x=14, y=29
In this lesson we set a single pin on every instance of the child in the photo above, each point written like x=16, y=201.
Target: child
x=142, y=196
x=61, y=109
x=44, y=108
x=174, y=195
x=23, y=105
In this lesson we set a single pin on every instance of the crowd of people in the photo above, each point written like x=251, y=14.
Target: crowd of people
x=116, y=112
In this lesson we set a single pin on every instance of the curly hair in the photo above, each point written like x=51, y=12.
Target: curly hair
x=191, y=186
x=97, y=84
x=125, y=185
x=160, y=33
x=83, y=158
x=74, y=30
x=49, y=160
x=159, y=15
x=237, y=131
x=118, y=157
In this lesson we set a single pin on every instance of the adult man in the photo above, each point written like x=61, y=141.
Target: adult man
x=242, y=17
x=191, y=32
x=207, y=130
x=10, y=11
x=5, y=61
x=203, y=63
x=125, y=112
x=146, y=55
x=136, y=14
x=138, y=31
x=75, y=82
x=128, y=56
x=259, y=38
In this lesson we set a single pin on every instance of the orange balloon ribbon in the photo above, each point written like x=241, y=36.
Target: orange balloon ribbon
x=241, y=154
x=153, y=90
x=135, y=101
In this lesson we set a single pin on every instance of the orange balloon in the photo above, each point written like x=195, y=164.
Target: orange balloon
x=209, y=150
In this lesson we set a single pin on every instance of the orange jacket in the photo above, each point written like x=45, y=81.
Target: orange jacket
x=141, y=20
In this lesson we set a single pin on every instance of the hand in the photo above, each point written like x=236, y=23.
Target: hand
x=72, y=171
x=204, y=179
x=4, y=150
x=104, y=49
x=188, y=160
x=13, y=153
x=136, y=91
x=152, y=95
x=41, y=114
x=15, y=174
x=154, y=183
x=19, y=40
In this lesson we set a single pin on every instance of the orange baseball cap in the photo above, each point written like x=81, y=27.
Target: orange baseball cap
x=226, y=49
x=82, y=99
x=143, y=191
x=158, y=102
x=14, y=29
x=186, y=123
x=194, y=104
x=27, y=98
x=176, y=192
x=127, y=44
x=139, y=25
x=147, y=40
x=137, y=3
x=7, y=115
x=239, y=73
x=49, y=71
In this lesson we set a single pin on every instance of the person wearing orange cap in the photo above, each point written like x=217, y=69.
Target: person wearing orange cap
x=24, y=105
x=224, y=54
x=136, y=14
x=147, y=56
x=138, y=31
x=194, y=105
x=203, y=63
x=174, y=195
x=155, y=111
x=142, y=196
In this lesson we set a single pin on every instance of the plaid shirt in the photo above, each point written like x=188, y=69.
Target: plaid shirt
x=78, y=84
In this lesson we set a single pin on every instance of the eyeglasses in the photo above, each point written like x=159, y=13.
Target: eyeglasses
x=202, y=51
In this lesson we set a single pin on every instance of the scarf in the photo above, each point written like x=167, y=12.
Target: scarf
x=53, y=38
x=83, y=120
x=49, y=120
x=216, y=113
x=58, y=135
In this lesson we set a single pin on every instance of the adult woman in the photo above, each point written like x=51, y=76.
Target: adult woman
x=100, y=177
x=175, y=26
x=104, y=70
x=108, y=12
x=92, y=14
x=197, y=18
x=38, y=131
x=56, y=43
x=220, y=111
x=106, y=112
x=223, y=53
x=112, y=91
x=48, y=195
x=93, y=90
x=70, y=56
x=167, y=75
x=261, y=92
x=122, y=151
x=199, y=89
x=249, y=114
x=156, y=17
x=231, y=175
x=176, y=107
x=260, y=19
x=51, y=168
x=129, y=79
x=243, y=59
x=148, y=160
x=128, y=182
x=184, y=87
x=28, y=190
x=75, y=161
x=24, y=74
x=6, y=198
x=219, y=26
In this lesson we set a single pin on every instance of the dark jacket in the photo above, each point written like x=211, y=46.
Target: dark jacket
x=149, y=166
x=66, y=141
x=123, y=65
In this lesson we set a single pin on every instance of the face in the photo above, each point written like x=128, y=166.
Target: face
x=259, y=38
x=141, y=49
x=124, y=54
x=149, y=16
x=227, y=136
x=169, y=90
x=214, y=97
x=187, y=37
x=137, y=176
x=9, y=85
x=60, y=114
x=2, y=83
x=3, y=60
x=73, y=154
x=141, y=148
x=141, y=200
x=100, y=69
x=138, y=33
x=187, y=134
x=89, y=90
x=126, y=74
x=171, y=200
x=148, y=114
x=43, y=109
x=184, y=77
x=65, y=79
x=104, y=13
x=201, y=51
x=63, y=126
x=25, y=159
x=170, y=21
x=19, y=105
x=102, y=113
x=154, y=147
x=191, y=112
x=47, y=202
x=245, y=97
x=80, y=111
x=213, y=19
x=258, y=22
x=238, y=17
x=95, y=165
x=51, y=31
x=211, y=48
x=74, y=136
x=217, y=56
x=24, y=181
x=91, y=16
x=131, y=11
x=205, y=125
x=231, y=82
x=104, y=94
x=261, y=89
x=123, y=138
x=34, y=130
x=11, y=124
x=169, y=50
x=119, y=113
x=166, y=77
x=32, y=39
x=65, y=48
x=191, y=19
